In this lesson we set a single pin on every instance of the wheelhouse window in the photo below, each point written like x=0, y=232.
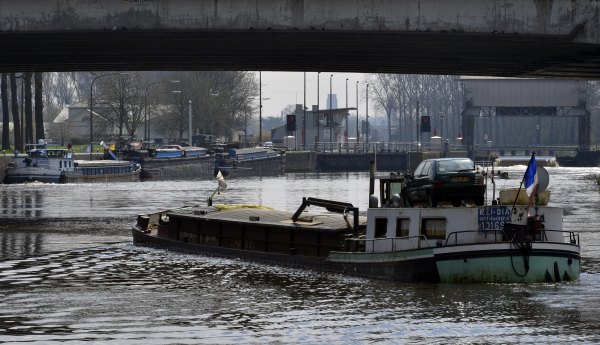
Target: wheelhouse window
x=434, y=228
x=380, y=227
x=402, y=226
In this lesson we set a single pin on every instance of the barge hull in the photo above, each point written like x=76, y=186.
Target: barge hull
x=421, y=269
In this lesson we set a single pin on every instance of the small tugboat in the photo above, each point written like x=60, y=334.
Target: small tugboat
x=42, y=164
x=54, y=165
x=497, y=243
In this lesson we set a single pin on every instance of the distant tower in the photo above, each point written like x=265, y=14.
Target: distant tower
x=333, y=97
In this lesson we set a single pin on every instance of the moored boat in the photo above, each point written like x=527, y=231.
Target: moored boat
x=255, y=161
x=57, y=165
x=169, y=161
x=104, y=170
x=42, y=164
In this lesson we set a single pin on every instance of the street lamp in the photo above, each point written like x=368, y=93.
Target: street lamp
x=304, y=116
x=92, y=109
x=346, y=134
x=190, y=122
x=260, y=107
x=367, y=116
x=357, y=133
x=330, y=107
x=146, y=123
x=318, y=109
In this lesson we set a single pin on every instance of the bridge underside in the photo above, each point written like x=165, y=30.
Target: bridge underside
x=494, y=54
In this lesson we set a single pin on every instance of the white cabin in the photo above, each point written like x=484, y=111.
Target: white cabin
x=397, y=229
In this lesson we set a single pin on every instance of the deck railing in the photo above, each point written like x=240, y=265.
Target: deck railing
x=499, y=236
x=395, y=242
x=568, y=236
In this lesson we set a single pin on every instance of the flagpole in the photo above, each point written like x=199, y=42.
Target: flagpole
x=521, y=185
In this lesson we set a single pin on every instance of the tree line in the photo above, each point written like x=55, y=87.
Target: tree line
x=220, y=101
x=30, y=127
x=223, y=101
x=403, y=99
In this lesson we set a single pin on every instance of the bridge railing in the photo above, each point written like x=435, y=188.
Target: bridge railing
x=383, y=146
x=378, y=146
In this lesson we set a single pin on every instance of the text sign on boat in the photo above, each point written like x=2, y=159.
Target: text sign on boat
x=493, y=218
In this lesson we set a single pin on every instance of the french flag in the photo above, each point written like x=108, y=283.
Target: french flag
x=531, y=178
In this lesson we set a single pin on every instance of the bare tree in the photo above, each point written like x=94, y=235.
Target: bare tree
x=385, y=97
x=219, y=101
x=59, y=90
x=15, y=112
x=123, y=102
x=39, y=106
x=5, y=113
x=413, y=96
x=28, y=108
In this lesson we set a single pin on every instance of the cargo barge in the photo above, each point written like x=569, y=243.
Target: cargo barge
x=495, y=243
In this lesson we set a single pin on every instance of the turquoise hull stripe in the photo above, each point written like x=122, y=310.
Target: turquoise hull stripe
x=507, y=269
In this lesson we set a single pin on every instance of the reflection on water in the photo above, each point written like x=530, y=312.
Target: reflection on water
x=20, y=244
x=71, y=275
x=27, y=204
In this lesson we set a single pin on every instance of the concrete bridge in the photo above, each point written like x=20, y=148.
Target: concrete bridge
x=533, y=38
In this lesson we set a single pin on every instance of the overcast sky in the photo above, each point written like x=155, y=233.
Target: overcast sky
x=283, y=88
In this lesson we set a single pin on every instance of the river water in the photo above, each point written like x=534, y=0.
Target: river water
x=70, y=274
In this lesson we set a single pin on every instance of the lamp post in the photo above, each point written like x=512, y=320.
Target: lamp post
x=346, y=134
x=330, y=108
x=146, y=122
x=190, y=122
x=92, y=110
x=357, y=133
x=318, y=109
x=367, y=116
x=304, y=116
x=260, y=107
